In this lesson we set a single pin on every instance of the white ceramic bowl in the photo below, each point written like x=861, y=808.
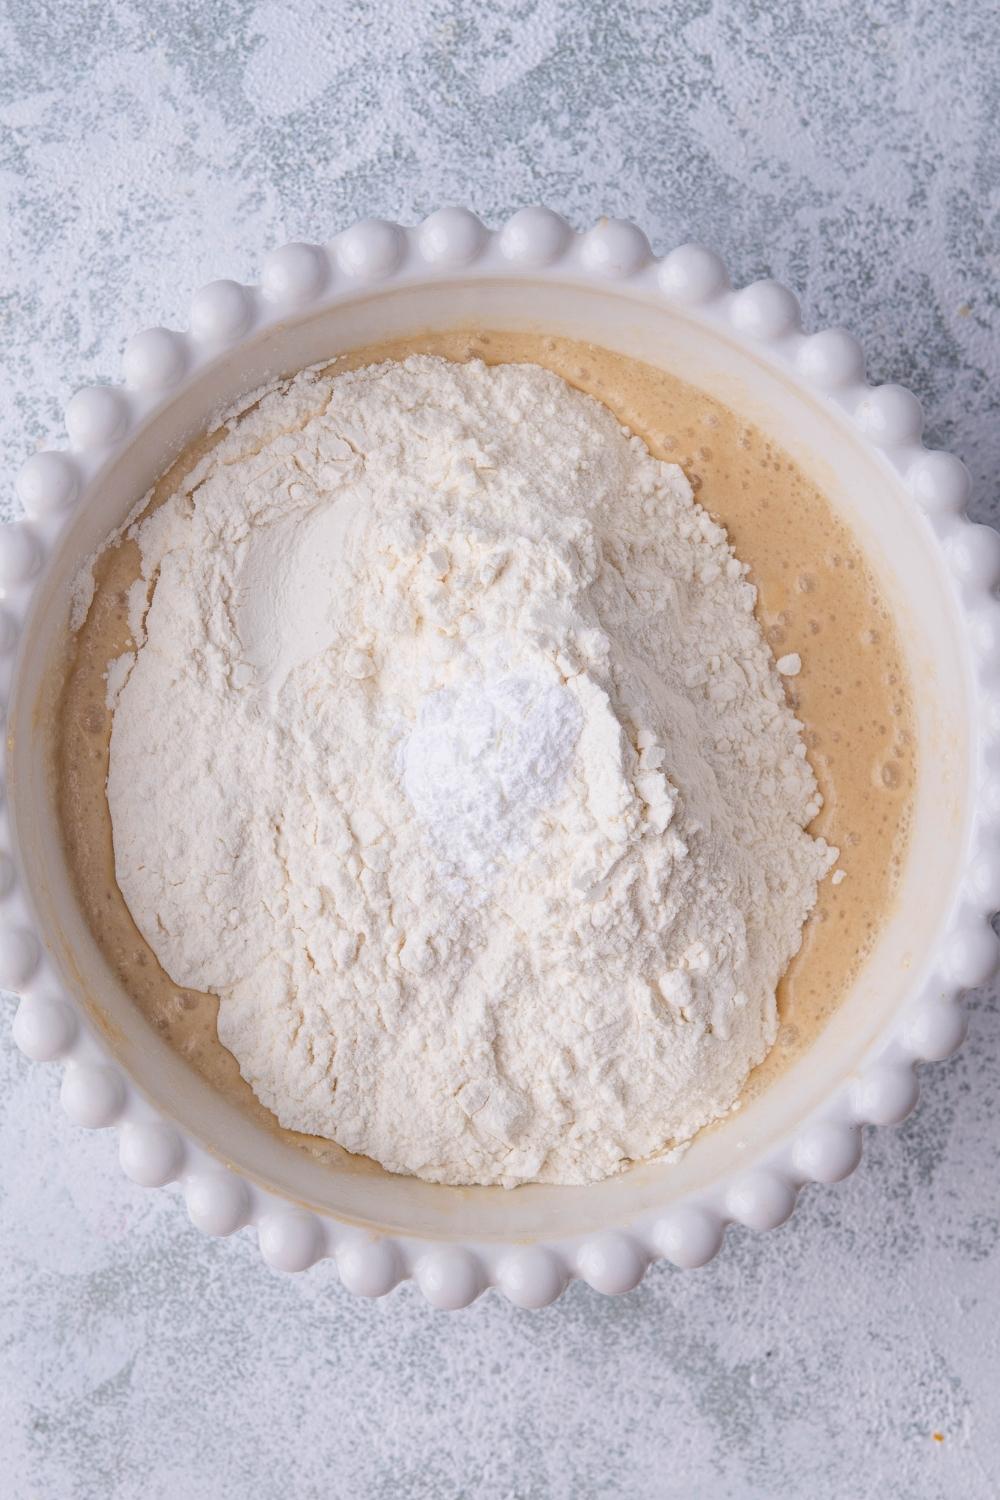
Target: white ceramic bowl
x=904, y=503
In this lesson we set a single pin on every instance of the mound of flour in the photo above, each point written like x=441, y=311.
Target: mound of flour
x=452, y=759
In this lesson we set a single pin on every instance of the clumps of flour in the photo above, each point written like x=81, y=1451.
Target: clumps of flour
x=452, y=759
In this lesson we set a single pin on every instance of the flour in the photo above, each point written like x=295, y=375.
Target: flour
x=452, y=759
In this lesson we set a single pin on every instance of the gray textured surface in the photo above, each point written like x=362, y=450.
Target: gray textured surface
x=850, y=149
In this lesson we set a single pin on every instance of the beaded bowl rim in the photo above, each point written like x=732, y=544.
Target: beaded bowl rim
x=300, y=278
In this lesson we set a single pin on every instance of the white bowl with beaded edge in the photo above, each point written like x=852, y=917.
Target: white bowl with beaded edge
x=905, y=505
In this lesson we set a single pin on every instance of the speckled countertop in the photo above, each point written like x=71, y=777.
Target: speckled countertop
x=851, y=149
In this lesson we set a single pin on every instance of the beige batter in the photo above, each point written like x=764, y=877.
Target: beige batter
x=816, y=597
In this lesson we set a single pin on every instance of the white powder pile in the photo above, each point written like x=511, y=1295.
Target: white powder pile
x=452, y=759
x=483, y=761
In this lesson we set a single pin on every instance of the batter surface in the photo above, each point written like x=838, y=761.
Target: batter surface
x=817, y=598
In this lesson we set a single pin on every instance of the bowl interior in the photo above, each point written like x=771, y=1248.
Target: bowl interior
x=897, y=540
